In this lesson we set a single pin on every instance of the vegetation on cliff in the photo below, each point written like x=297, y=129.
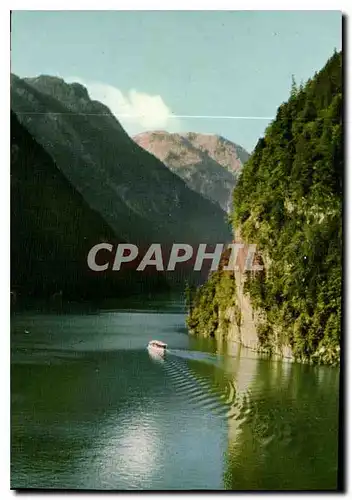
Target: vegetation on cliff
x=207, y=305
x=288, y=201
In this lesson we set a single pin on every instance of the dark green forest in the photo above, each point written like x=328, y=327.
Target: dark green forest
x=52, y=230
x=289, y=201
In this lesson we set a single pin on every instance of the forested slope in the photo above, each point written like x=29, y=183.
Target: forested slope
x=288, y=200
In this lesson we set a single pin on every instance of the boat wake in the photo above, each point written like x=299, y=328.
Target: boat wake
x=218, y=395
x=196, y=355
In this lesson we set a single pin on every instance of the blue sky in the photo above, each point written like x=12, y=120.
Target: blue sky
x=149, y=66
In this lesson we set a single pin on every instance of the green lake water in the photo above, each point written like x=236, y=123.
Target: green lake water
x=92, y=409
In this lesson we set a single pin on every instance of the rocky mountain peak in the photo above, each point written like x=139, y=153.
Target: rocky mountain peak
x=208, y=163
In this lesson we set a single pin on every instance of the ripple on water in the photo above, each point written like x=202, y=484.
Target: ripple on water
x=224, y=400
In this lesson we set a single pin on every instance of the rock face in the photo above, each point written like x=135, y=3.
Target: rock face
x=209, y=164
x=245, y=328
x=141, y=200
x=222, y=309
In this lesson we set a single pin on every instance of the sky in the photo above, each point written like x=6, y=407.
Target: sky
x=216, y=72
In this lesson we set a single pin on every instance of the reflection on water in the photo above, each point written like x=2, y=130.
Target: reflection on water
x=156, y=356
x=93, y=408
x=288, y=432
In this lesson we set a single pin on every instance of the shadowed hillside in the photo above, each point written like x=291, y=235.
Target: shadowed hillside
x=53, y=229
x=134, y=192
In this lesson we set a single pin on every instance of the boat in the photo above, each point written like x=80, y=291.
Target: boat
x=157, y=346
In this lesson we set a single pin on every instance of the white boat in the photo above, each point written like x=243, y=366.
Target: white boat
x=157, y=346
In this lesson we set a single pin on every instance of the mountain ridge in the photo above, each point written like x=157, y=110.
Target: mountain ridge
x=208, y=163
x=135, y=193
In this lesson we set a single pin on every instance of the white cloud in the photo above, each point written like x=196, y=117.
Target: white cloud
x=135, y=110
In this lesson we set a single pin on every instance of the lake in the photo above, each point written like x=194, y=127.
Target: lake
x=91, y=409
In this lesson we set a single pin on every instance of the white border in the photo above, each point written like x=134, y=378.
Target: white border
x=177, y=5
x=344, y=6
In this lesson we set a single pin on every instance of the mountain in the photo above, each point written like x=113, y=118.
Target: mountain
x=289, y=202
x=209, y=164
x=140, y=199
x=53, y=229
